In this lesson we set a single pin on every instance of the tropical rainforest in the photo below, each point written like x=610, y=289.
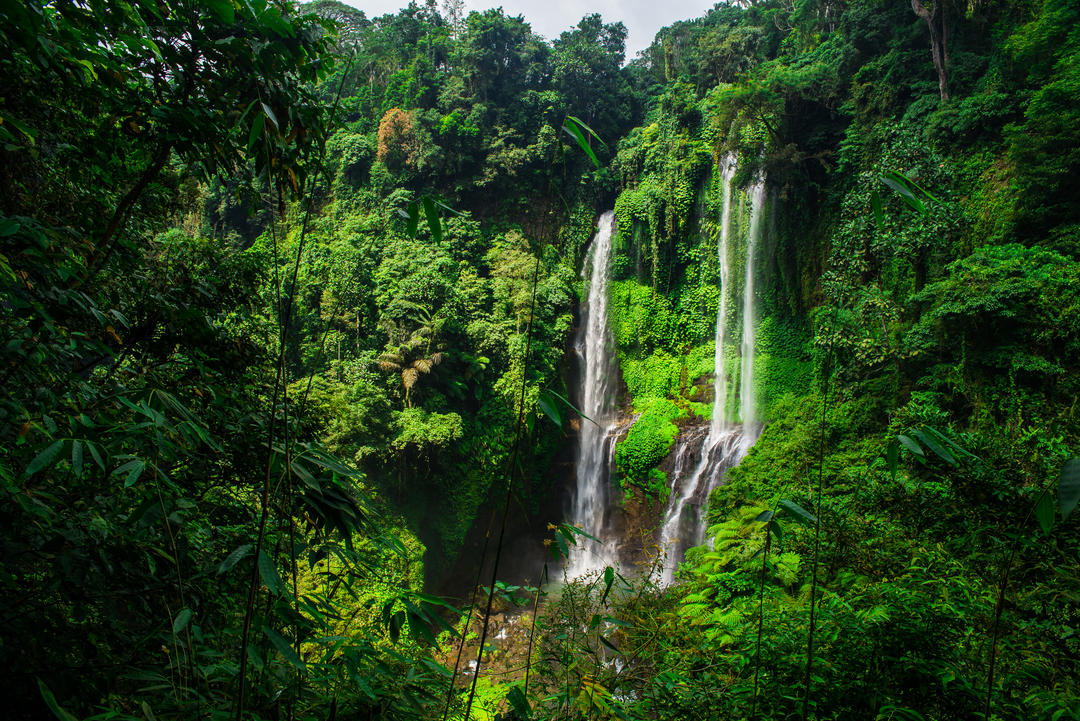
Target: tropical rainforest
x=289, y=401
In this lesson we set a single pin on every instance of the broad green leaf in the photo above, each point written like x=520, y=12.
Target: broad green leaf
x=256, y=131
x=181, y=620
x=911, y=185
x=931, y=443
x=905, y=194
x=764, y=517
x=950, y=443
x=432, y=215
x=544, y=401
x=585, y=127
x=777, y=529
x=90, y=446
x=911, y=446
x=224, y=10
x=801, y=514
x=133, y=469
x=1045, y=513
x=516, y=697
x=1069, y=487
x=571, y=129
x=50, y=701
x=269, y=573
x=234, y=558
x=44, y=458
x=609, y=578
x=77, y=458
x=284, y=648
x=8, y=227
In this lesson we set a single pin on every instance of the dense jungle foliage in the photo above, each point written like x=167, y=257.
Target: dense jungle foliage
x=288, y=296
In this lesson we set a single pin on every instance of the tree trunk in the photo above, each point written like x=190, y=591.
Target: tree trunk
x=939, y=40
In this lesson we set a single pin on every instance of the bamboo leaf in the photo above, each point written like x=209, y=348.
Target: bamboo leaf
x=256, y=132
x=572, y=130
x=875, y=204
x=284, y=648
x=269, y=573
x=544, y=401
x=234, y=558
x=911, y=446
x=45, y=458
x=934, y=446
x=50, y=701
x=801, y=514
x=413, y=219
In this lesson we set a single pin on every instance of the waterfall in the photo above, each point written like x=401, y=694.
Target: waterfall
x=747, y=396
x=725, y=444
x=594, y=347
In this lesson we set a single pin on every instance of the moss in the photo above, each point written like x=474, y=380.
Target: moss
x=648, y=441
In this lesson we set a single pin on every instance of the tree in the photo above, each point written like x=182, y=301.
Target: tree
x=936, y=22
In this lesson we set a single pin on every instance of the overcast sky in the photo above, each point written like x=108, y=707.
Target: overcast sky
x=550, y=17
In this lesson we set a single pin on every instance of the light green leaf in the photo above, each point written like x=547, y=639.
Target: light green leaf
x=571, y=129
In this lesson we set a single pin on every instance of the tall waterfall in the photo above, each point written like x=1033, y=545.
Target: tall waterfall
x=725, y=444
x=747, y=397
x=594, y=347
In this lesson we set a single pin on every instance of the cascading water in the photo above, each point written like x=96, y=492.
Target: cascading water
x=594, y=347
x=725, y=444
x=747, y=396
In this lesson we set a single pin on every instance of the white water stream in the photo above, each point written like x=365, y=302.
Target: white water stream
x=596, y=444
x=726, y=443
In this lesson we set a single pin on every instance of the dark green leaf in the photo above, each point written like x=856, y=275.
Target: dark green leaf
x=911, y=446
x=50, y=701
x=1069, y=487
x=800, y=513
x=1045, y=513
x=234, y=558
x=931, y=443
x=181, y=620
x=431, y=212
x=875, y=203
x=764, y=517
x=546, y=404
x=284, y=648
x=256, y=132
x=44, y=458
x=609, y=578
x=413, y=219
x=520, y=704
x=269, y=573
x=77, y=458
x=224, y=10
